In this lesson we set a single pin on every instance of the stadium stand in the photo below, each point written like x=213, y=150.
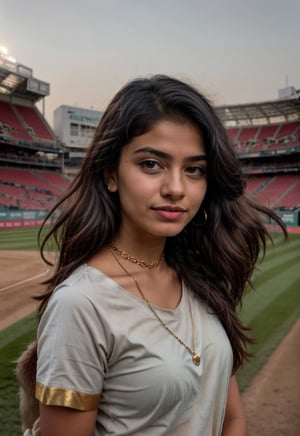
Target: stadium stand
x=275, y=189
x=287, y=129
x=35, y=122
x=266, y=137
x=31, y=156
x=232, y=134
x=34, y=159
x=29, y=179
x=11, y=125
x=255, y=184
x=247, y=134
x=55, y=179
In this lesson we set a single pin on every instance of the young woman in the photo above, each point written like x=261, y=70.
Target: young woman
x=138, y=331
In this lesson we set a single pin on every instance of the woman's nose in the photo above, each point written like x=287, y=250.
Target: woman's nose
x=172, y=185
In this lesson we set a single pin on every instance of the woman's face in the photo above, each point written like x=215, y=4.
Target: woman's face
x=161, y=180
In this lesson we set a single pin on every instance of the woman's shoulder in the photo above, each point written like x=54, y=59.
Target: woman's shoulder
x=84, y=295
x=84, y=283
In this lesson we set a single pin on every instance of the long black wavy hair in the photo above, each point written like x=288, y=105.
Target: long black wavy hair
x=216, y=260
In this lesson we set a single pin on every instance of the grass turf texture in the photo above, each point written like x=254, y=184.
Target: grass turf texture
x=270, y=310
x=22, y=239
x=273, y=307
x=13, y=341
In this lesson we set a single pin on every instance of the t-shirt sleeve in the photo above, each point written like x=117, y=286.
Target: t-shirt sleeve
x=72, y=352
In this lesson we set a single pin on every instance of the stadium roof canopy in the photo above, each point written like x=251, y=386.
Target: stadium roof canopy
x=260, y=113
x=17, y=80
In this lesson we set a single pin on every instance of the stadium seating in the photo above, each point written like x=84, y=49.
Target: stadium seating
x=232, y=134
x=272, y=137
x=39, y=196
x=276, y=191
x=265, y=133
x=12, y=191
x=287, y=129
x=254, y=183
x=55, y=179
x=247, y=134
x=29, y=200
x=8, y=202
x=32, y=118
x=291, y=198
x=29, y=190
x=27, y=179
x=10, y=119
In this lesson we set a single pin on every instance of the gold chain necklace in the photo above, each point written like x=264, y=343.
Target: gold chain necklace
x=133, y=259
x=195, y=356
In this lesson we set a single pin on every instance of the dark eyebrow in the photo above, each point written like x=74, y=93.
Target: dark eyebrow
x=164, y=155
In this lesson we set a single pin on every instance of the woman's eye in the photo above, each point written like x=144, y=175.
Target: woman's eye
x=196, y=171
x=150, y=165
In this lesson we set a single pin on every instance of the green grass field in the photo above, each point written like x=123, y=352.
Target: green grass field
x=270, y=310
x=19, y=239
x=273, y=307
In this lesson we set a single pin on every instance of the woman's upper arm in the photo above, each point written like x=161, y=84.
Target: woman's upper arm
x=235, y=420
x=62, y=421
x=69, y=384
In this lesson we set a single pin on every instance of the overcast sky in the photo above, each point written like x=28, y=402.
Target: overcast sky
x=234, y=51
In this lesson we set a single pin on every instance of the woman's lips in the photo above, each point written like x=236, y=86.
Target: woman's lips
x=169, y=214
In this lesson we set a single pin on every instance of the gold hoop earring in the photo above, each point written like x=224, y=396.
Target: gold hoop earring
x=202, y=222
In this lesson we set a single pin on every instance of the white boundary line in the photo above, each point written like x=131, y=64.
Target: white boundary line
x=25, y=281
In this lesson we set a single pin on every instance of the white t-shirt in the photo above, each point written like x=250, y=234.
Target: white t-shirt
x=95, y=340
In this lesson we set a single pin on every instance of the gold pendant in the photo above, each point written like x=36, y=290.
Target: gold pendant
x=196, y=359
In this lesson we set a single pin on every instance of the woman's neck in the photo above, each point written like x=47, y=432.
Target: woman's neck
x=145, y=249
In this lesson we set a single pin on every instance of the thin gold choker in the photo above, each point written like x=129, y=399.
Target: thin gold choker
x=195, y=356
x=133, y=259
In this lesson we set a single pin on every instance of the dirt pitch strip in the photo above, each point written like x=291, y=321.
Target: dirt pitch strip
x=272, y=402
x=20, y=278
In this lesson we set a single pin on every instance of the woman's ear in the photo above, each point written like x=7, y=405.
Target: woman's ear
x=110, y=179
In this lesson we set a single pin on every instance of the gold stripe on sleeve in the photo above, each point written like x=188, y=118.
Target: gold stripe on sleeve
x=65, y=397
